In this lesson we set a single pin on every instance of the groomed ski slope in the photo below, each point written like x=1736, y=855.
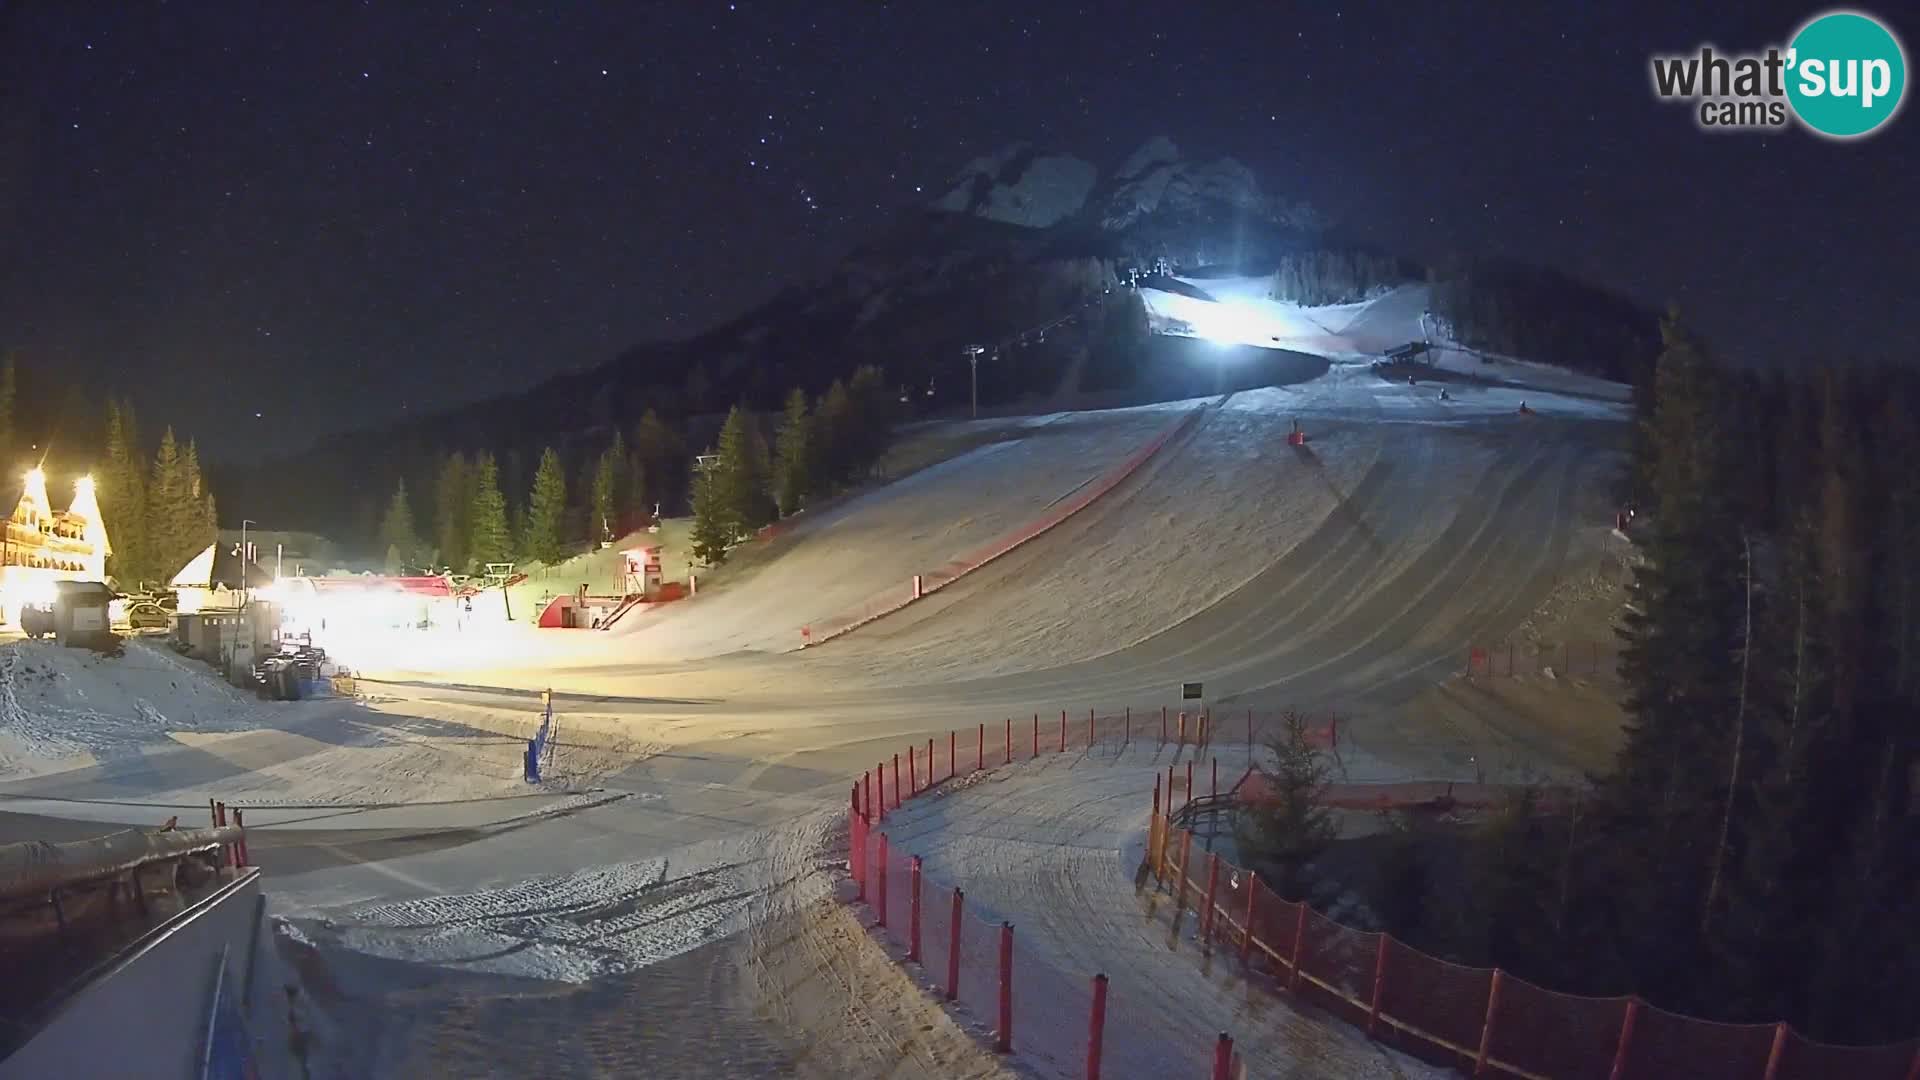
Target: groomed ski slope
x=1404, y=529
x=837, y=559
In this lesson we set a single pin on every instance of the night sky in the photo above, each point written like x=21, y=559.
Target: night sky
x=328, y=214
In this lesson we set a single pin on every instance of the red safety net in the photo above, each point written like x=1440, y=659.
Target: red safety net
x=1546, y=1033
x=1442, y=1004
x=1668, y=1044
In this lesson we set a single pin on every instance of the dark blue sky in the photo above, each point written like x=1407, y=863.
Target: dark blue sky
x=330, y=215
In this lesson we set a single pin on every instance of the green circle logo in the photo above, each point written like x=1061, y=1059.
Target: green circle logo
x=1846, y=74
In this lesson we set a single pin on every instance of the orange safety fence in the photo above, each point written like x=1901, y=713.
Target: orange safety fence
x=1481, y=1021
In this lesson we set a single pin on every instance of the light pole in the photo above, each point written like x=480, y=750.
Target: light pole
x=244, y=560
x=973, y=362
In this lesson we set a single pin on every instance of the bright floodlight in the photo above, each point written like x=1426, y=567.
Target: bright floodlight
x=84, y=485
x=1227, y=323
x=36, y=477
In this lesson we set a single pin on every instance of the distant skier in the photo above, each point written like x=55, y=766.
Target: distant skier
x=1444, y=396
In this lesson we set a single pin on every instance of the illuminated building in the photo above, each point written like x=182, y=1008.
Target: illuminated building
x=43, y=545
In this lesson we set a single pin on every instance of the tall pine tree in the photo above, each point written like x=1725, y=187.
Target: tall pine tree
x=453, y=510
x=490, y=539
x=123, y=498
x=793, y=455
x=611, y=491
x=1681, y=645
x=547, y=511
x=397, y=533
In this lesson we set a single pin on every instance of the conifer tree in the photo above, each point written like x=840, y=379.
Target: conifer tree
x=490, y=539
x=739, y=475
x=610, y=490
x=660, y=462
x=123, y=497
x=397, y=531
x=793, y=465
x=1291, y=826
x=547, y=511
x=170, y=512
x=715, y=523
x=453, y=509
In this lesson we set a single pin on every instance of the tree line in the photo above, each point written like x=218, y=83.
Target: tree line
x=1338, y=277
x=477, y=516
x=159, y=512
x=819, y=447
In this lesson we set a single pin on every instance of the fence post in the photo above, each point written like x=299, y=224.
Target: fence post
x=1246, y=939
x=1169, y=789
x=1214, y=787
x=953, y=758
x=1223, y=1057
x=1036, y=734
x=1486, y=1029
x=1626, y=1040
x=1163, y=725
x=213, y=815
x=880, y=884
x=1127, y=738
x=1299, y=946
x=1213, y=891
x=896, y=781
x=913, y=909
x=1249, y=730
x=929, y=762
x=1186, y=862
x=1189, y=782
x=857, y=857
x=1090, y=737
x=1063, y=731
x=1009, y=760
x=1003, y=1038
x=953, y=946
x=1773, y=1054
x=980, y=749
x=240, y=846
x=1096, y=1026
x=1180, y=730
x=1379, y=985
x=913, y=774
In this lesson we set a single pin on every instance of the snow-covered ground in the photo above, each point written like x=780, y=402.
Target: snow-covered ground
x=1351, y=571
x=1055, y=846
x=148, y=733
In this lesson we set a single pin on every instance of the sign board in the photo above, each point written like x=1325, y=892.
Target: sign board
x=1189, y=691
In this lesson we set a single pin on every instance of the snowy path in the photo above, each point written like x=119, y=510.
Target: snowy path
x=1054, y=846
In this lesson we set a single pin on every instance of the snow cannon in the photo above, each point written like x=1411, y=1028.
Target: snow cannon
x=1296, y=437
x=1524, y=410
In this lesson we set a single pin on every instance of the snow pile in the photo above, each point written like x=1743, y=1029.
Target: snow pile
x=60, y=707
